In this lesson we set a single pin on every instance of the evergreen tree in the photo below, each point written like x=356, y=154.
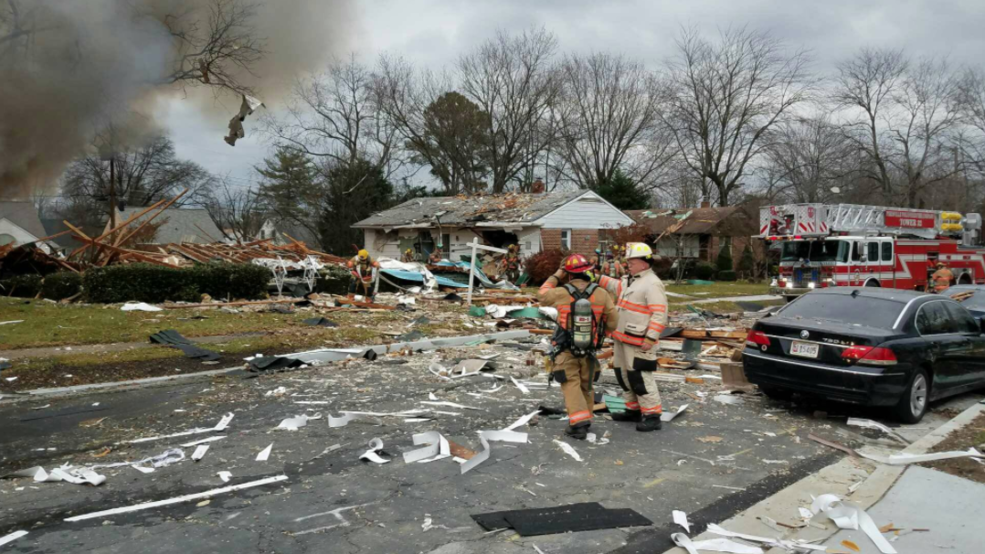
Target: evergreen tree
x=724, y=262
x=623, y=193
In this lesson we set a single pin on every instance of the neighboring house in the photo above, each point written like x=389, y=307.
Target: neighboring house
x=20, y=224
x=567, y=220
x=180, y=225
x=703, y=233
x=66, y=243
x=273, y=229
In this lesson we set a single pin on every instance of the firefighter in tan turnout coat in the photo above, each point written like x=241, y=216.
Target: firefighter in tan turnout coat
x=642, y=306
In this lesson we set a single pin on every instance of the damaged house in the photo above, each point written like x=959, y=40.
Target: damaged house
x=570, y=221
x=701, y=232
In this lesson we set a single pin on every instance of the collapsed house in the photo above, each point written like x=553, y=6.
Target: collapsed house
x=570, y=221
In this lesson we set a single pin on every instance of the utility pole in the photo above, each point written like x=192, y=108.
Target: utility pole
x=112, y=193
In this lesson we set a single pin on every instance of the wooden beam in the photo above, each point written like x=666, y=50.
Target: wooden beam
x=151, y=218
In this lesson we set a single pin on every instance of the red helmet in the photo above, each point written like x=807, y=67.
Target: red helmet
x=576, y=263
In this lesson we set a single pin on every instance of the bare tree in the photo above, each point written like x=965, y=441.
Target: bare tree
x=727, y=96
x=806, y=158
x=908, y=114
x=238, y=212
x=973, y=106
x=336, y=116
x=442, y=128
x=611, y=121
x=142, y=174
x=513, y=80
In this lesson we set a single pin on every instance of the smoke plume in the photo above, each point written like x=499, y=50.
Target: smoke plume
x=72, y=70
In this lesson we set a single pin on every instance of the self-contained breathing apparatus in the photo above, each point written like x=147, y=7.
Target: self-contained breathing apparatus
x=583, y=336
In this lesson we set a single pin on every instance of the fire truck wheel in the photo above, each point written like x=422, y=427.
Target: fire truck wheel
x=872, y=283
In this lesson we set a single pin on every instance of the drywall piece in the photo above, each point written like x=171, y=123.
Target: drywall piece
x=371, y=455
x=224, y=422
x=178, y=500
x=265, y=453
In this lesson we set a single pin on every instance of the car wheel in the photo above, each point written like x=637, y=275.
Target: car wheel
x=913, y=403
x=776, y=393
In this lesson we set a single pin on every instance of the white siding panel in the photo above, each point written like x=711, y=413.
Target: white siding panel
x=381, y=244
x=529, y=240
x=588, y=212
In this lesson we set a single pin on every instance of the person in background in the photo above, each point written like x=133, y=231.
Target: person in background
x=942, y=277
x=408, y=257
x=510, y=265
x=436, y=256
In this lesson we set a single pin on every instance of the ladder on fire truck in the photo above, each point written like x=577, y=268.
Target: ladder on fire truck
x=820, y=220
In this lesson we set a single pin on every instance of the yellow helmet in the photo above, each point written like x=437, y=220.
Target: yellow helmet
x=639, y=250
x=363, y=254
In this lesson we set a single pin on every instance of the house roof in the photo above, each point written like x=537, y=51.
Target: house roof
x=180, y=225
x=702, y=221
x=465, y=211
x=24, y=215
x=53, y=226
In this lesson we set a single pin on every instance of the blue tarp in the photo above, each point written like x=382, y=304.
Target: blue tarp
x=418, y=278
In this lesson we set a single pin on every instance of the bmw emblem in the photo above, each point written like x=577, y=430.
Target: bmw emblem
x=804, y=334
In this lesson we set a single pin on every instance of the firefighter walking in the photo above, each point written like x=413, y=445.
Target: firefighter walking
x=942, y=277
x=365, y=271
x=642, y=307
x=584, y=311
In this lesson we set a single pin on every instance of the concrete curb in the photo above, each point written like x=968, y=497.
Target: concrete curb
x=876, y=479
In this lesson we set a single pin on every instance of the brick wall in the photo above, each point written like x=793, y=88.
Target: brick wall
x=583, y=241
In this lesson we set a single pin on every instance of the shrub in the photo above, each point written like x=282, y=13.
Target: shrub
x=21, y=286
x=63, y=284
x=746, y=262
x=724, y=261
x=543, y=264
x=727, y=275
x=704, y=271
x=151, y=283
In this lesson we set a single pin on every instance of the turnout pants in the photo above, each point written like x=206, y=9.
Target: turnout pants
x=576, y=375
x=639, y=387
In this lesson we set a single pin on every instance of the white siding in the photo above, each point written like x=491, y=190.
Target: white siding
x=588, y=212
x=529, y=241
x=379, y=243
x=667, y=247
x=20, y=235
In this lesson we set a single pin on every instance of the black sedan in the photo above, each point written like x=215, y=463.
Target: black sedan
x=871, y=346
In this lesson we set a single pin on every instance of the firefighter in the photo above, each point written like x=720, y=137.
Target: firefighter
x=510, y=264
x=612, y=268
x=365, y=271
x=597, y=261
x=585, y=312
x=942, y=277
x=642, y=307
x=436, y=256
x=408, y=257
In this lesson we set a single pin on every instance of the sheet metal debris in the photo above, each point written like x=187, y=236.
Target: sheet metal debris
x=200, y=452
x=669, y=416
x=870, y=424
x=297, y=422
x=437, y=448
x=485, y=437
x=847, y=515
x=265, y=453
x=372, y=455
x=12, y=537
x=179, y=499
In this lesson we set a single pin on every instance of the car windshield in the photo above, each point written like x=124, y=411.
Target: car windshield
x=862, y=310
x=975, y=302
x=815, y=251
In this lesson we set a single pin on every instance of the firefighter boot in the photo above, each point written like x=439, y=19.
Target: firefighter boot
x=578, y=431
x=628, y=415
x=649, y=423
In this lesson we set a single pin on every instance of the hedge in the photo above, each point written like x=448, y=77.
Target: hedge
x=21, y=286
x=63, y=284
x=727, y=275
x=704, y=271
x=152, y=283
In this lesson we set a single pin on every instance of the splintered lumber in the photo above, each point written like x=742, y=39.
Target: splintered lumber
x=705, y=334
x=151, y=218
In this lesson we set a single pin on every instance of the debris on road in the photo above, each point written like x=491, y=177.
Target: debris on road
x=373, y=454
x=680, y=518
x=569, y=450
x=265, y=453
x=588, y=516
x=847, y=515
x=295, y=423
x=12, y=537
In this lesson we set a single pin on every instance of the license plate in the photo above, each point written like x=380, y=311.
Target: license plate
x=804, y=349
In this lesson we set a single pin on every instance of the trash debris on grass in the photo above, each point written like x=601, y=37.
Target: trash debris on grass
x=178, y=500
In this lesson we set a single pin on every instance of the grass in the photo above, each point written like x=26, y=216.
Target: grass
x=47, y=324
x=720, y=307
x=719, y=290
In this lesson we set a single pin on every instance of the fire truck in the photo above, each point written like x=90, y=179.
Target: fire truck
x=835, y=245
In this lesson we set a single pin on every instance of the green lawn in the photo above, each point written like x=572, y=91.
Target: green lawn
x=718, y=290
x=47, y=324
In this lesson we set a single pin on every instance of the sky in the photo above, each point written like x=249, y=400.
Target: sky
x=434, y=33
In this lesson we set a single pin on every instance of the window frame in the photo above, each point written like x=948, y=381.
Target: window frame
x=566, y=239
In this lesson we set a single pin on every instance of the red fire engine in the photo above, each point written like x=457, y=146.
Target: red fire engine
x=827, y=245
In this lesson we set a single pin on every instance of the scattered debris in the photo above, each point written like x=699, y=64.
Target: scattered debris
x=225, y=476
x=295, y=423
x=140, y=307
x=67, y=473
x=868, y=423
x=373, y=454
x=200, y=452
x=847, y=515
x=569, y=450
x=12, y=537
x=669, y=416
x=485, y=437
x=727, y=399
x=680, y=518
x=833, y=444
x=588, y=516
x=903, y=458
x=265, y=453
